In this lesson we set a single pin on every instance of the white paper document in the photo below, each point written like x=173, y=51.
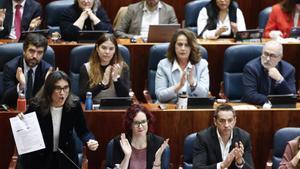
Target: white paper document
x=27, y=133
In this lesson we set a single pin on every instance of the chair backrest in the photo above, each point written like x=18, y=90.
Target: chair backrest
x=165, y=159
x=191, y=12
x=188, y=151
x=280, y=139
x=158, y=52
x=53, y=13
x=12, y=50
x=80, y=55
x=235, y=58
x=263, y=17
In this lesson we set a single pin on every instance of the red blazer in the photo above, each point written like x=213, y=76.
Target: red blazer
x=279, y=20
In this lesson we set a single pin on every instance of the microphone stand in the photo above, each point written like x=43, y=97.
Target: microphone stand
x=65, y=155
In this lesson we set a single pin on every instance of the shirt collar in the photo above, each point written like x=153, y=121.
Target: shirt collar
x=145, y=9
x=15, y=3
x=26, y=68
x=177, y=67
x=220, y=138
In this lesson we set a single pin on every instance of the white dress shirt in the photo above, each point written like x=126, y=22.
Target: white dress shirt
x=149, y=18
x=56, y=113
x=210, y=34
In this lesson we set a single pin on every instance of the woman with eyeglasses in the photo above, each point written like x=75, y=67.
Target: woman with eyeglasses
x=291, y=155
x=106, y=74
x=220, y=18
x=283, y=17
x=138, y=148
x=83, y=15
x=59, y=113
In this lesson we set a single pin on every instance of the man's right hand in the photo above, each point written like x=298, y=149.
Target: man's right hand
x=2, y=16
x=21, y=78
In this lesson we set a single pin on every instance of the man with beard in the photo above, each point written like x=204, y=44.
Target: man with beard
x=17, y=16
x=140, y=15
x=268, y=75
x=223, y=145
x=26, y=73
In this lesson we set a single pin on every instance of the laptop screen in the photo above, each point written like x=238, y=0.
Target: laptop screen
x=251, y=35
x=162, y=32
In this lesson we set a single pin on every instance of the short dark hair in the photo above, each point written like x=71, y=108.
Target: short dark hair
x=131, y=113
x=195, y=54
x=224, y=107
x=35, y=39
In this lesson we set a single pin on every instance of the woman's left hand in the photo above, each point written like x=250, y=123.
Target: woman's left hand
x=160, y=151
x=233, y=27
x=190, y=76
x=92, y=144
x=115, y=72
x=93, y=17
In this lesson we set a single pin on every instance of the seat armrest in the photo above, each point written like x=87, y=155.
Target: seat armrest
x=147, y=97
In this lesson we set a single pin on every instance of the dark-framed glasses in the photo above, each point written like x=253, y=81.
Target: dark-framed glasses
x=138, y=123
x=59, y=89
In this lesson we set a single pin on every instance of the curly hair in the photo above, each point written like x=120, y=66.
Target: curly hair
x=132, y=112
x=195, y=55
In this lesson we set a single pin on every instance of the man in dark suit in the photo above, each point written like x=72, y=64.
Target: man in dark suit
x=26, y=73
x=268, y=74
x=30, y=13
x=223, y=145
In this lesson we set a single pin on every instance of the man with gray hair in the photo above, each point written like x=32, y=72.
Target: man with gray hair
x=268, y=75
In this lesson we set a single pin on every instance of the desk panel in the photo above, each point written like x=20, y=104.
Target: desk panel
x=177, y=124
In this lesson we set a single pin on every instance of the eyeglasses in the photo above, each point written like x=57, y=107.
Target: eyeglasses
x=59, y=89
x=271, y=55
x=138, y=123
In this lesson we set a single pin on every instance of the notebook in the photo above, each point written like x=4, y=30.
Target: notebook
x=41, y=31
x=250, y=35
x=200, y=102
x=295, y=32
x=283, y=101
x=88, y=36
x=114, y=102
x=162, y=32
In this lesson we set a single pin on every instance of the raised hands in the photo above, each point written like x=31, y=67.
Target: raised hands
x=21, y=78
x=235, y=154
x=2, y=16
x=116, y=72
x=36, y=22
x=92, y=144
x=190, y=76
x=106, y=76
x=160, y=151
x=125, y=145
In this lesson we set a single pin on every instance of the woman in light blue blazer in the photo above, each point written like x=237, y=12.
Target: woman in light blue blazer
x=183, y=70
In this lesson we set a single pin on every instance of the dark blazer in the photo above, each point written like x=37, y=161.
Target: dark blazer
x=257, y=84
x=32, y=9
x=207, y=151
x=10, y=82
x=69, y=16
x=153, y=144
x=71, y=119
x=121, y=86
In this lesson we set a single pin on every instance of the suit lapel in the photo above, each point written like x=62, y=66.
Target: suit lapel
x=216, y=144
x=26, y=15
x=8, y=17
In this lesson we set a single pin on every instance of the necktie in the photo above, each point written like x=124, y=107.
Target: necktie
x=29, y=84
x=17, y=21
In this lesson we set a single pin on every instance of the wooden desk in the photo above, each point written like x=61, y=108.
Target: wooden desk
x=177, y=124
x=7, y=142
x=139, y=60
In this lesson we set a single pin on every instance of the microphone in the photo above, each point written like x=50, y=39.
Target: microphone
x=66, y=156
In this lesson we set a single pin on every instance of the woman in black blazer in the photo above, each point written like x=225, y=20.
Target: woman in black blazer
x=58, y=113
